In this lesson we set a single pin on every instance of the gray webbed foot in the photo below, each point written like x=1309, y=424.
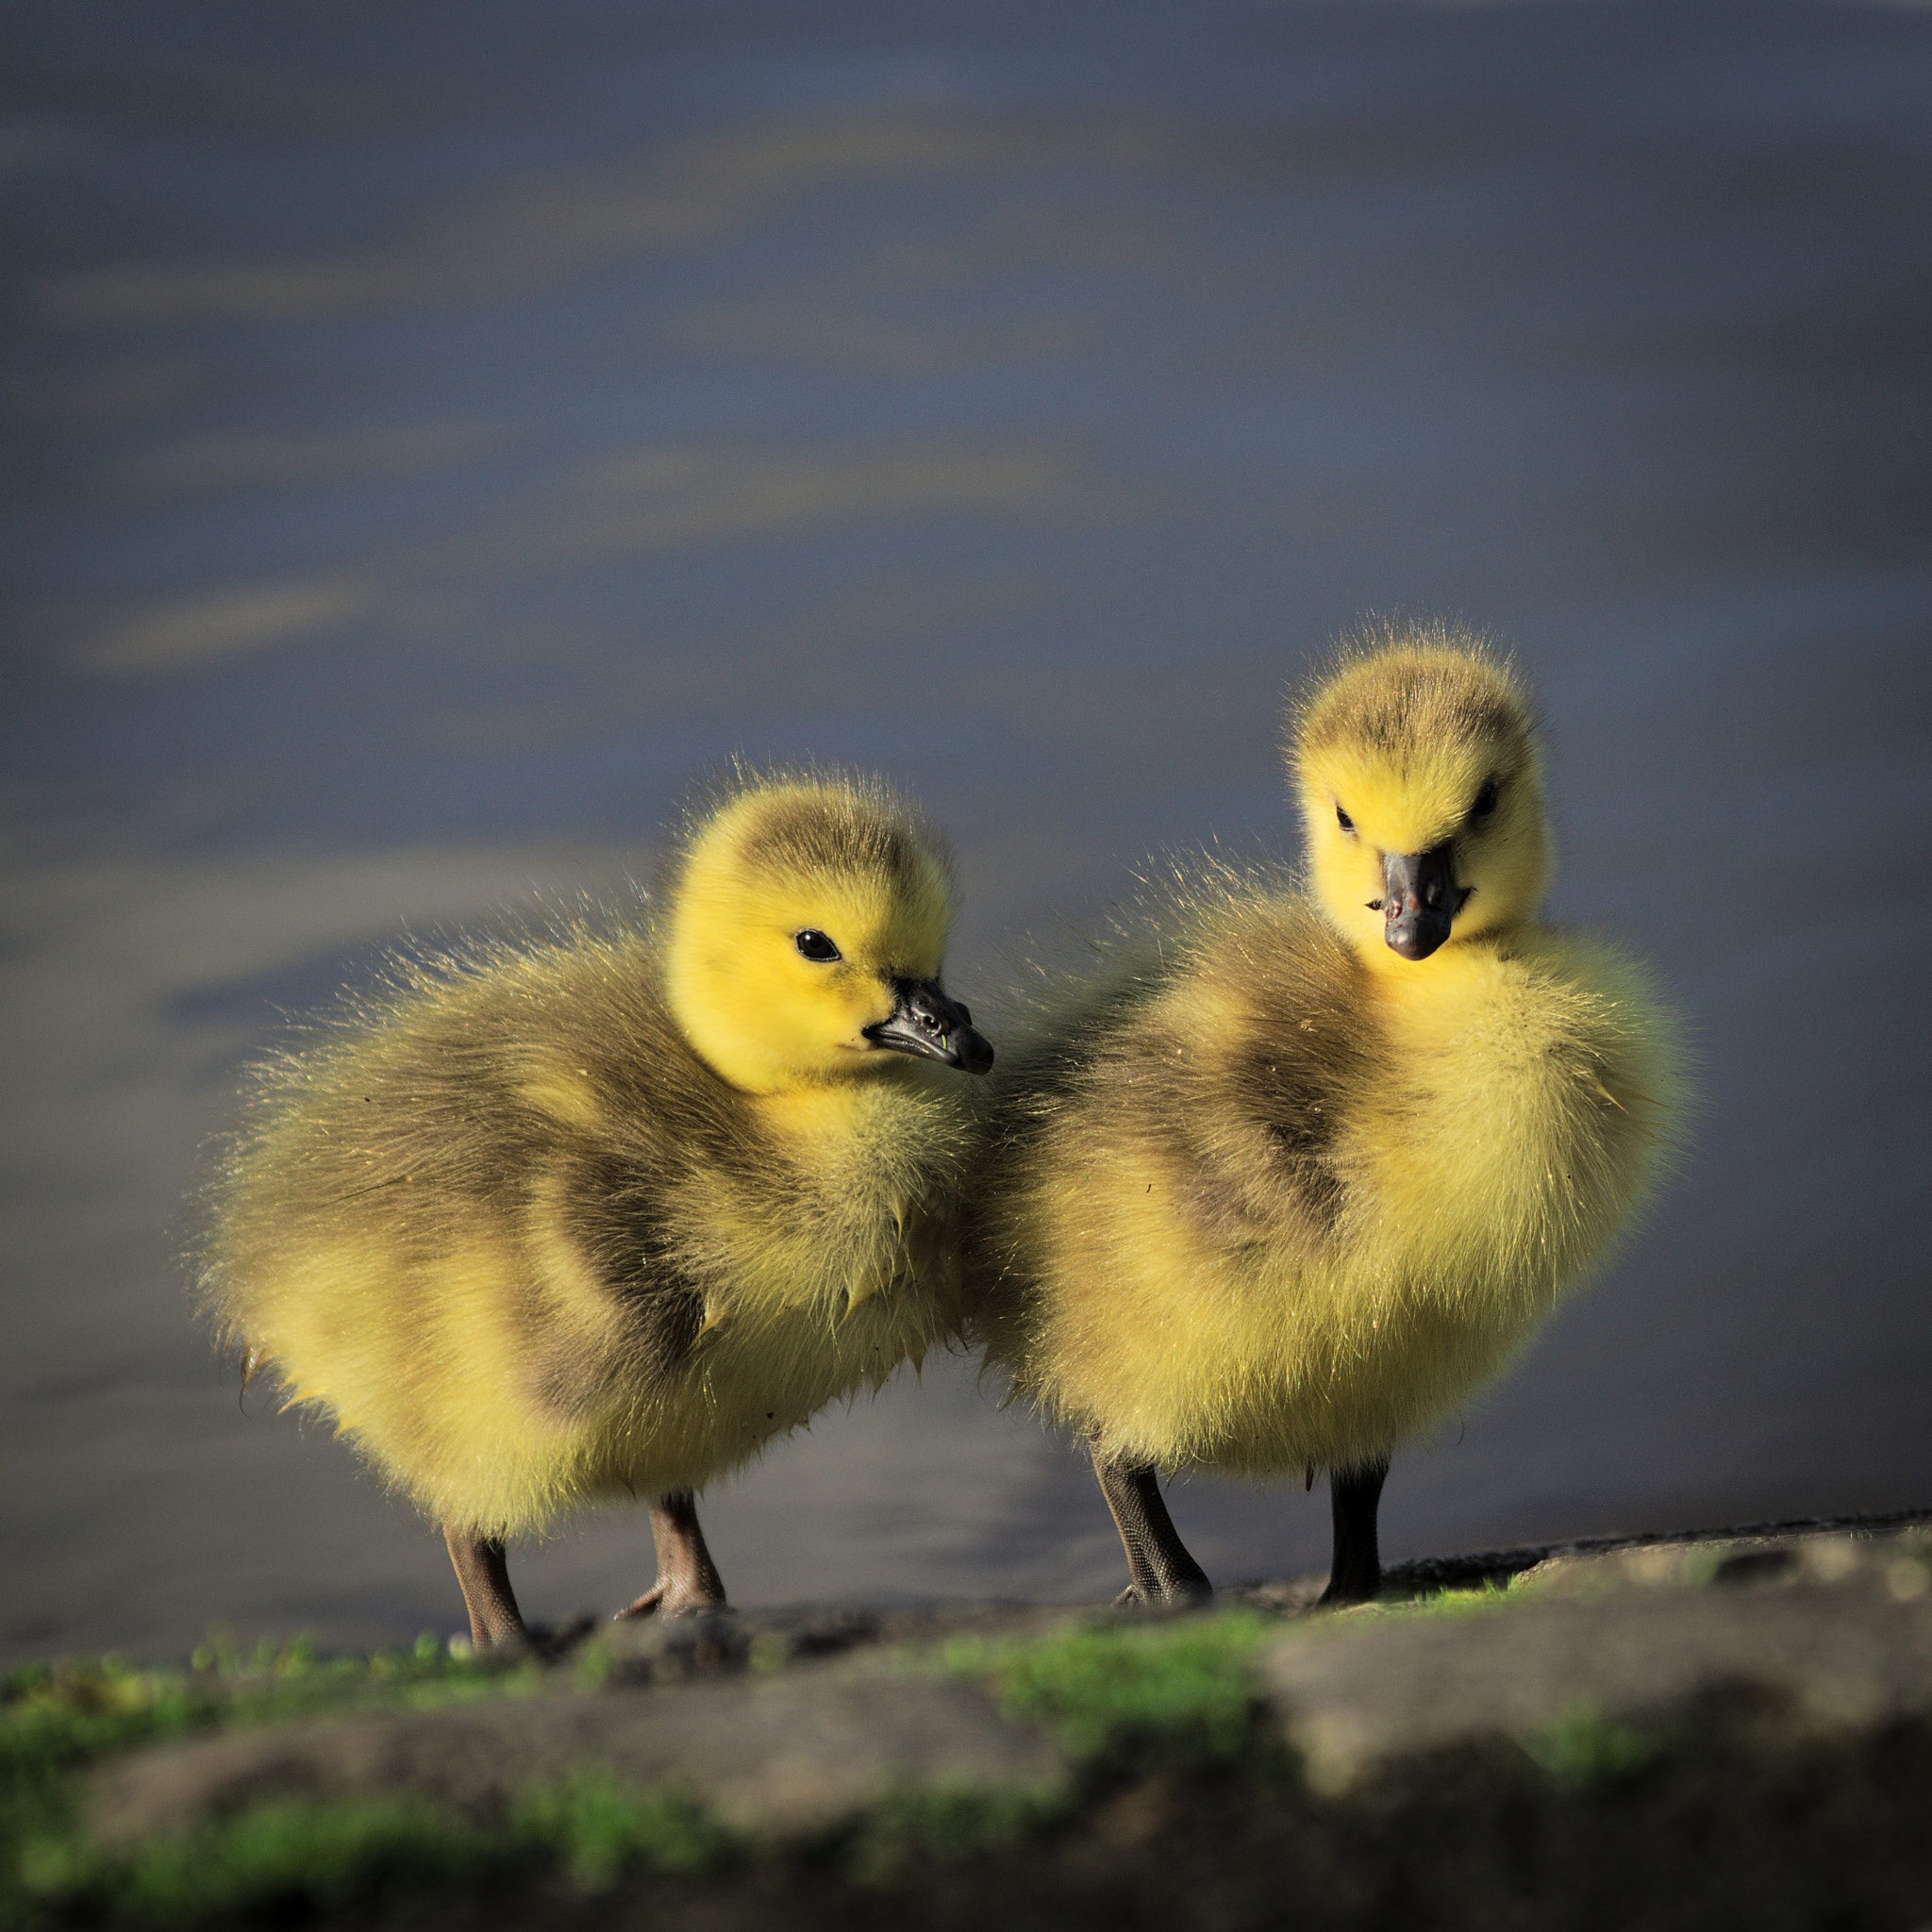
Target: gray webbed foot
x=1164, y=1575
x=688, y=1581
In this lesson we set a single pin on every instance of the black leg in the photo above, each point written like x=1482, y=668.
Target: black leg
x=1158, y=1560
x=483, y=1570
x=688, y=1580
x=1356, y=1574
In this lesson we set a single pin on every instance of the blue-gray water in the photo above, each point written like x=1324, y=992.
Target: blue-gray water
x=438, y=433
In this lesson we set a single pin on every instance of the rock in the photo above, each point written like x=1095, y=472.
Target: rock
x=1419, y=1575
x=1819, y=1640
x=785, y=1755
x=722, y=1642
x=1678, y=1732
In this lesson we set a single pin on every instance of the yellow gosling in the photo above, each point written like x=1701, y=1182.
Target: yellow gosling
x=1294, y=1171
x=601, y=1217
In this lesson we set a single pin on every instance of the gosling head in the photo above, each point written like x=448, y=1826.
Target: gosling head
x=806, y=928
x=1422, y=794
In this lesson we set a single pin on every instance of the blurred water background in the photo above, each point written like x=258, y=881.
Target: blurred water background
x=438, y=433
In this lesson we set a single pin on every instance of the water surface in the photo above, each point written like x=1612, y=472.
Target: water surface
x=438, y=435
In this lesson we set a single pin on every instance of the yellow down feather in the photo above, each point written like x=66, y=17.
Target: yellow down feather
x=601, y=1216
x=1262, y=1195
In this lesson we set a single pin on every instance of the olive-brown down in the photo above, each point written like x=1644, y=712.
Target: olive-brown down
x=517, y=1232
x=1265, y=1197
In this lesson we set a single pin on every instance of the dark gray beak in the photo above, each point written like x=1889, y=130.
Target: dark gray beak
x=932, y=1026
x=1420, y=899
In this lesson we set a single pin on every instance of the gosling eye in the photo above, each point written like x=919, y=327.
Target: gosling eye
x=1343, y=818
x=817, y=946
x=1485, y=802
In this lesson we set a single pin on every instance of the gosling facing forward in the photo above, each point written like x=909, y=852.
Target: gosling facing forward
x=1295, y=1172
x=601, y=1217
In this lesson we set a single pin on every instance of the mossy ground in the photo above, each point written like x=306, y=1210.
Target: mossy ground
x=1170, y=1694
x=1183, y=1806
x=57, y=1721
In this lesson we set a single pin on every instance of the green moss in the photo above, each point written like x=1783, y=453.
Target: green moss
x=80, y=1708
x=943, y=1823
x=55, y=1720
x=328, y=1856
x=1185, y=1684
x=595, y=1827
x=1495, y=1595
x=1583, y=1748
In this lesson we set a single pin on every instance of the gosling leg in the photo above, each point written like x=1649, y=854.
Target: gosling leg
x=1158, y=1560
x=688, y=1580
x=1355, y=1574
x=483, y=1571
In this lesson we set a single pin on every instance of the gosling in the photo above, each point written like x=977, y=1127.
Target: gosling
x=1295, y=1172
x=601, y=1217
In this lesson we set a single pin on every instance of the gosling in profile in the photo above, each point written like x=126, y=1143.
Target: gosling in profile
x=1300, y=1170
x=602, y=1217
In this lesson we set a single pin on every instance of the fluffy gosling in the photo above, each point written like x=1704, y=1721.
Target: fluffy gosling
x=602, y=1217
x=1295, y=1172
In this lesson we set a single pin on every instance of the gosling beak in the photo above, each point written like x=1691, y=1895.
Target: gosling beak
x=1420, y=899
x=926, y=1023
